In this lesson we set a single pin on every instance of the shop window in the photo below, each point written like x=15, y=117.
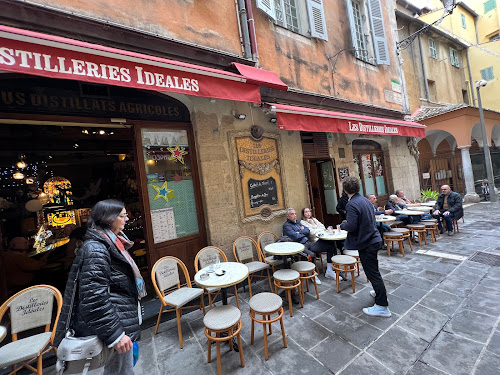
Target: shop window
x=454, y=57
x=171, y=194
x=487, y=74
x=296, y=15
x=368, y=31
x=432, y=48
x=494, y=37
x=369, y=167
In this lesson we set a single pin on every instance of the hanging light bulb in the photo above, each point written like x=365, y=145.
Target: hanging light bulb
x=21, y=164
x=18, y=176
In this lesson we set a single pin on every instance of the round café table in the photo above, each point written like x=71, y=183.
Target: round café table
x=284, y=249
x=408, y=212
x=422, y=208
x=430, y=204
x=3, y=332
x=234, y=273
x=335, y=236
x=384, y=219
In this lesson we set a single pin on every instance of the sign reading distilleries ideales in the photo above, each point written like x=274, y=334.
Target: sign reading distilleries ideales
x=260, y=175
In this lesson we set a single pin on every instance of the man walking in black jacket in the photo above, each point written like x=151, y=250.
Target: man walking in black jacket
x=363, y=236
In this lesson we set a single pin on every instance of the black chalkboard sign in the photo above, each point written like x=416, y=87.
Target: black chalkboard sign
x=262, y=192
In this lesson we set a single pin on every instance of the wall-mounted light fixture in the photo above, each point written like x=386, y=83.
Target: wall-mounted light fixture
x=18, y=176
x=240, y=116
x=274, y=120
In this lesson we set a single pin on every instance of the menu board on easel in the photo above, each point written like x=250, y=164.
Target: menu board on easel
x=260, y=175
x=163, y=225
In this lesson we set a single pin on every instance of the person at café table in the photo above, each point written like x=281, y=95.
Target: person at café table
x=373, y=200
x=364, y=237
x=298, y=232
x=402, y=199
x=448, y=207
x=394, y=205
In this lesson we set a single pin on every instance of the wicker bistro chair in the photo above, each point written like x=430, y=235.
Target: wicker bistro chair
x=264, y=239
x=205, y=257
x=246, y=251
x=266, y=305
x=166, y=281
x=29, y=309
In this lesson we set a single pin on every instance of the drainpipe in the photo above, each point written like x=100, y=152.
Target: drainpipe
x=470, y=78
x=244, y=28
x=475, y=27
x=424, y=73
x=251, y=28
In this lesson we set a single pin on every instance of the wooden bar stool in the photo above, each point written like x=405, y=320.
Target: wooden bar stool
x=354, y=254
x=420, y=230
x=431, y=227
x=223, y=319
x=434, y=221
x=405, y=233
x=390, y=238
x=267, y=304
x=306, y=270
x=288, y=279
x=344, y=263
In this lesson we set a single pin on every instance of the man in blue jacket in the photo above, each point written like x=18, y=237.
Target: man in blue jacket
x=299, y=233
x=363, y=236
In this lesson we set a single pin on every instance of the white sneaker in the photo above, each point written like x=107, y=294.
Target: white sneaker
x=372, y=293
x=330, y=274
x=318, y=281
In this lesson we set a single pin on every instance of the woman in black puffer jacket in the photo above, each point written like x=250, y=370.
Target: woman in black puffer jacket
x=110, y=285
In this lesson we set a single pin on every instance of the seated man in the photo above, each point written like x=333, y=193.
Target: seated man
x=404, y=200
x=373, y=200
x=448, y=207
x=299, y=233
x=394, y=205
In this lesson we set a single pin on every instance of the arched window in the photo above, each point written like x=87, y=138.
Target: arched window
x=370, y=167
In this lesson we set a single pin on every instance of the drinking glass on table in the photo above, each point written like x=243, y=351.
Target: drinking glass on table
x=330, y=229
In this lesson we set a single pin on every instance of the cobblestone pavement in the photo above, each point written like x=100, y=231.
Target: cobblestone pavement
x=445, y=318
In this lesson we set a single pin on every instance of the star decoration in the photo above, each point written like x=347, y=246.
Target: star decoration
x=177, y=178
x=163, y=192
x=177, y=153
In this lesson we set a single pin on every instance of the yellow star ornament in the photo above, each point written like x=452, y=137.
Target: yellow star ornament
x=163, y=192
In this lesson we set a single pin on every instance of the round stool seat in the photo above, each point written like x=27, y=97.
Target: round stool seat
x=343, y=259
x=433, y=220
x=286, y=275
x=415, y=226
x=303, y=266
x=400, y=230
x=222, y=317
x=427, y=222
x=352, y=253
x=265, y=302
x=392, y=234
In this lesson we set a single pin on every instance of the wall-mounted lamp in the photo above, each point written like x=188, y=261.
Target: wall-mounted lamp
x=274, y=120
x=240, y=116
x=18, y=176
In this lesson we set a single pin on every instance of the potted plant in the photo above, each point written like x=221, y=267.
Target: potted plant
x=428, y=195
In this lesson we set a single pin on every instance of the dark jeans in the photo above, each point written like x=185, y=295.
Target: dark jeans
x=447, y=218
x=369, y=261
x=385, y=227
x=322, y=246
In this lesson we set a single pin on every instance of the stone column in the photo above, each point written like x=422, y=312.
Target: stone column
x=470, y=196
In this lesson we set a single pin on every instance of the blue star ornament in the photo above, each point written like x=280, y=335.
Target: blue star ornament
x=163, y=192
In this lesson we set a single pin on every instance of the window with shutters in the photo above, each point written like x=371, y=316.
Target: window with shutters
x=432, y=48
x=464, y=24
x=368, y=36
x=306, y=17
x=487, y=74
x=454, y=57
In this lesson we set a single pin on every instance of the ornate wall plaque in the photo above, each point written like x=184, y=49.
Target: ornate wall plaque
x=260, y=183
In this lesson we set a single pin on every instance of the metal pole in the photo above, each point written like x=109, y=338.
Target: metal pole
x=486, y=149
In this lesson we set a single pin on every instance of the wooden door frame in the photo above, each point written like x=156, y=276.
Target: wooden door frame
x=358, y=153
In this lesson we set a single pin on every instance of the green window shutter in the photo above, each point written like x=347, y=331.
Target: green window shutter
x=378, y=32
x=489, y=5
x=268, y=7
x=317, y=21
x=350, y=16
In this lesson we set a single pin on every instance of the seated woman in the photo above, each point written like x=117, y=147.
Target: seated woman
x=318, y=245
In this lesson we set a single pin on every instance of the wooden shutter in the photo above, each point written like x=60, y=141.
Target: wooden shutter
x=350, y=16
x=317, y=19
x=268, y=7
x=315, y=145
x=378, y=32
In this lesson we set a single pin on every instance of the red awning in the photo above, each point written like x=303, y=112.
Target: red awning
x=317, y=120
x=260, y=77
x=46, y=55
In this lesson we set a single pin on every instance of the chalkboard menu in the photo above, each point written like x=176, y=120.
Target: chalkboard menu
x=262, y=192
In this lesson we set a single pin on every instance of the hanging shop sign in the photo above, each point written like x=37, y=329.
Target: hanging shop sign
x=46, y=55
x=260, y=180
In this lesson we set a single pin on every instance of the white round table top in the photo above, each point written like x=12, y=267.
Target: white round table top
x=3, y=332
x=235, y=273
x=422, y=208
x=384, y=218
x=284, y=248
x=332, y=236
x=430, y=204
x=408, y=212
